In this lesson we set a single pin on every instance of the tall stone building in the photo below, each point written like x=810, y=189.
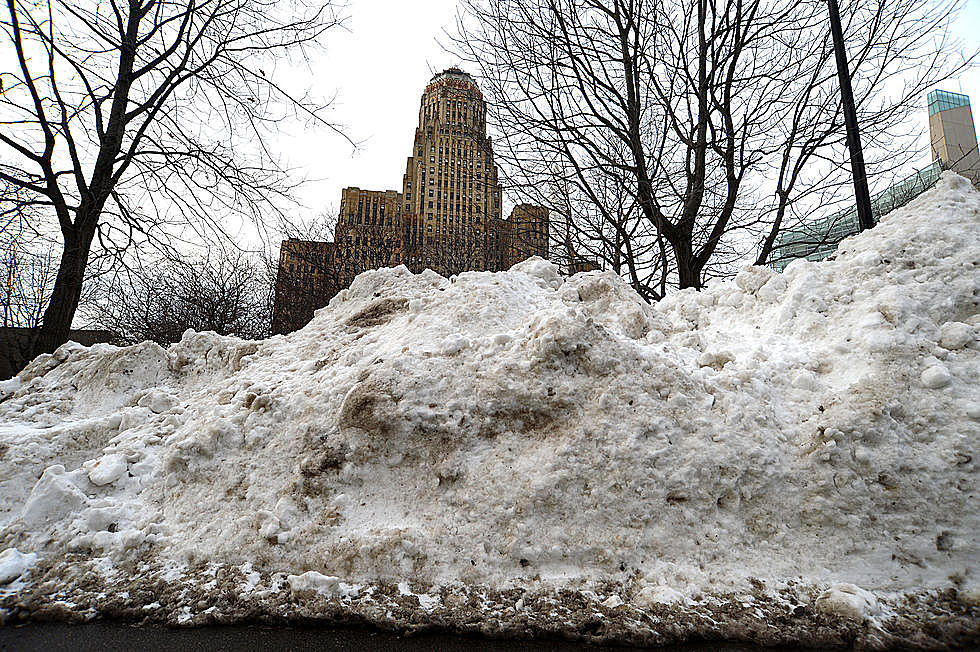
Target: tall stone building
x=450, y=187
x=446, y=218
x=523, y=234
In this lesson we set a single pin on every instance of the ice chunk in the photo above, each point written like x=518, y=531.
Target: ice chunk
x=157, y=401
x=313, y=581
x=655, y=595
x=53, y=497
x=107, y=469
x=14, y=563
x=544, y=271
x=956, y=335
x=751, y=279
x=715, y=359
x=612, y=601
x=936, y=376
x=847, y=601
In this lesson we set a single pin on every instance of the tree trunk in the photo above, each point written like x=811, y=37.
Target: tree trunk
x=67, y=291
x=688, y=271
x=770, y=241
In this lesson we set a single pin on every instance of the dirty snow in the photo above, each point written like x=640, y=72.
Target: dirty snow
x=520, y=452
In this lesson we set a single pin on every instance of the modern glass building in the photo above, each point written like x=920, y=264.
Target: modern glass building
x=954, y=147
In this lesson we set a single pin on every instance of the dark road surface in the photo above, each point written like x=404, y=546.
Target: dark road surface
x=116, y=637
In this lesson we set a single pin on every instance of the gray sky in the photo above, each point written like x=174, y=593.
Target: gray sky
x=379, y=69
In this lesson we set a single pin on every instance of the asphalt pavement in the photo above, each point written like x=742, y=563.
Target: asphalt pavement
x=120, y=637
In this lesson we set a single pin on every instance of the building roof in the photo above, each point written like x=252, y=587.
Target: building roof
x=453, y=72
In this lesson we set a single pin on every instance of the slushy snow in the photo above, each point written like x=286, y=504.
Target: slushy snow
x=782, y=457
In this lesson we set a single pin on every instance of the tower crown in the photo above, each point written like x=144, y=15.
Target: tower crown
x=455, y=79
x=452, y=73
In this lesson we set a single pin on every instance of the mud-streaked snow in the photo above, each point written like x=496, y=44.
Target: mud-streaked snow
x=782, y=457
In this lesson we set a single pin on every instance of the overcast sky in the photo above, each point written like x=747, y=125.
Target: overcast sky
x=379, y=68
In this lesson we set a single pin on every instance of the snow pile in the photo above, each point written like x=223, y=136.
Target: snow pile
x=518, y=452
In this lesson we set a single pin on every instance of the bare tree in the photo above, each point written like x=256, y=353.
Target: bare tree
x=687, y=106
x=224, y=292
x=145, y=121
x=608, y=231
x=25, y=285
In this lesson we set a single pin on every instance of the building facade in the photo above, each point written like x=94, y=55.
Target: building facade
x=522, y=235
x=307, y=278
x=369, y=232
x=446, y=218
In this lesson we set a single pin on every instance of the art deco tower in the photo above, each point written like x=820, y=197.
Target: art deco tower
x=451, y=197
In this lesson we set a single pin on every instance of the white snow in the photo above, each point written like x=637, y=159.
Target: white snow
x=650, y=595
x=13, y=564
x=519, y=429
x=936, y=376
x=55, y=497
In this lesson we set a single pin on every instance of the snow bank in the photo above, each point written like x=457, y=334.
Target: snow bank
x=777, y=458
